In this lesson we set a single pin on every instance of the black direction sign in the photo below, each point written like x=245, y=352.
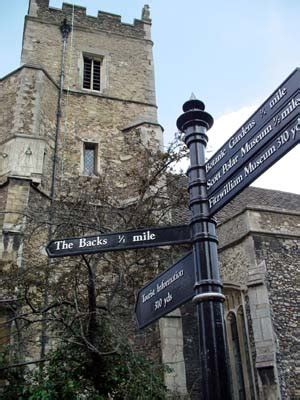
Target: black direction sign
x=147, y=237
x=165, y=292
x=264, y=125
x=283, y=142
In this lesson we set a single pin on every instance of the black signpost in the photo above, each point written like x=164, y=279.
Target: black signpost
x=266, y=136
x=195, y=122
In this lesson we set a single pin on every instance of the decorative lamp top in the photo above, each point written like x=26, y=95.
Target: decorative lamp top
x=193, y=104
x=194, y=114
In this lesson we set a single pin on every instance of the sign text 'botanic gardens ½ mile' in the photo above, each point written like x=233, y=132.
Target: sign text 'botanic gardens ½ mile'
x=266, y=136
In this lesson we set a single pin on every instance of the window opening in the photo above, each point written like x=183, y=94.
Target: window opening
x=91, y=74
x=237, y=357
x=238, y=346
x=246, y=351
x=89, y=158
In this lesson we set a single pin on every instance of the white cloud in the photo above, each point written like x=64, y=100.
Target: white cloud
x=226, y=125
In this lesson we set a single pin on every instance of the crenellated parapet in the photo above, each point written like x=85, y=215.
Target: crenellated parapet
x=103, y=21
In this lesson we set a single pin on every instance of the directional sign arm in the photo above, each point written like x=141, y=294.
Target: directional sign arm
x=273, y=116
x=272, y=152
x=166, y=292
x=143, y=238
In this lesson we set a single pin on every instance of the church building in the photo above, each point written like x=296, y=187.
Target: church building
x=83, y=94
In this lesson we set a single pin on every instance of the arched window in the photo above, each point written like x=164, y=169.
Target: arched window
x=238, y=345
x=245, y=351
x=235, y=358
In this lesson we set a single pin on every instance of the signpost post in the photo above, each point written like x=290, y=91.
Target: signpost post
x=194, y=122
x=266, y=136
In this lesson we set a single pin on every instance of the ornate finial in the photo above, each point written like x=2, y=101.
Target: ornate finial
x=194, y=114
x=146, y=13
x=193, y=104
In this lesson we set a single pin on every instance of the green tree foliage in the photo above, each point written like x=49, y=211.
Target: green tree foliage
x=72, y=318
x=67, y=376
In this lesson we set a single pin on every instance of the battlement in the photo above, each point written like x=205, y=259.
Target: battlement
x=103, y=21
x=78, y=10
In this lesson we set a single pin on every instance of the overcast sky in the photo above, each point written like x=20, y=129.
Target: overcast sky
x=232, y=54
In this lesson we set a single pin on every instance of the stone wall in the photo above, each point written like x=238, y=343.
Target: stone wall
x=259, y=249
x=282, y=260
x=9, y=89
x=172, y=353
x=101, y=121
x=27, y=138
x=15, y=198
x=3, y=197
x=31, y=97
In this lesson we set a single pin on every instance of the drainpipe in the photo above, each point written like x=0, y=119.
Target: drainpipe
x=65, y=29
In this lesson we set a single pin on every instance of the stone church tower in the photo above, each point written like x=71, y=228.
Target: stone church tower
x=84, y=89
x=84, y=83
